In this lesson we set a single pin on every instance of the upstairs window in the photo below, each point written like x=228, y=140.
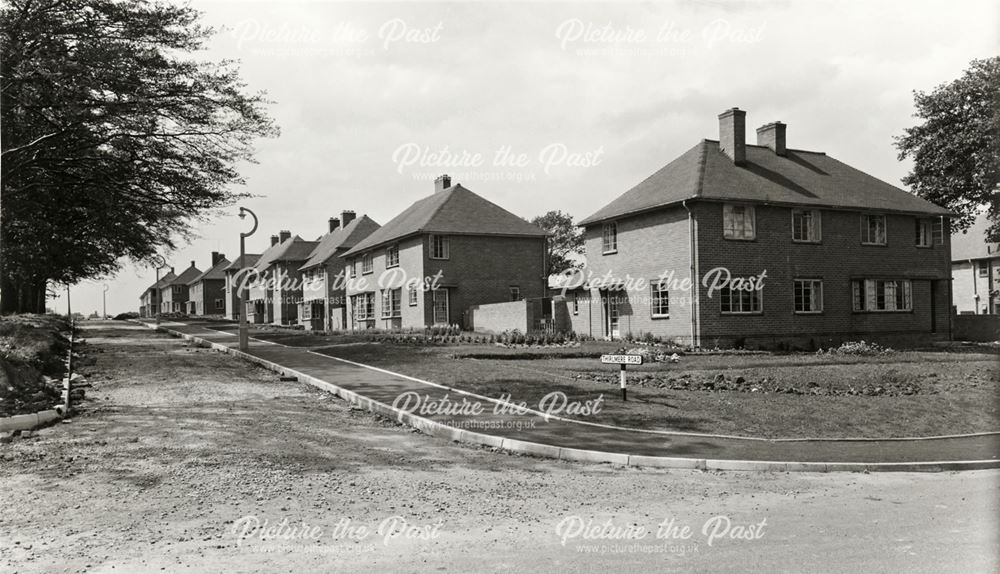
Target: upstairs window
x=354, y=267
x=659, y=299
x=873, y=230
x=808, y=296
x=984, y=268
x=806, y=225
x=923, y=233
x=515, y=293
x=392, y=256
x=366, y=263
x=609, y=238
x=937, y=231
x=738, y=222
x=439, y=247
x=874, y=295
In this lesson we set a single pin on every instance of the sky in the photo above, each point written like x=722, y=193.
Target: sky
x=542, y=106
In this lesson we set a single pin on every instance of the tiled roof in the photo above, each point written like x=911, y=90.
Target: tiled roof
x=218, y=271
x=971, y=243
x=251, y=260
x=455, y=210
x=185, y=277
x=292, y=249
x=341, y=239
x=799, y=178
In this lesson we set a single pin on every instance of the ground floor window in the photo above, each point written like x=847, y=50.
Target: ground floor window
x=740, y=300
x=392, y=302
x=220, y=304
x=363, y=306
x=808, y=296
x=872, y=295
x=660, y=299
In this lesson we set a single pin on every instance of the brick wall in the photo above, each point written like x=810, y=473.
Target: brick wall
x=499, y=317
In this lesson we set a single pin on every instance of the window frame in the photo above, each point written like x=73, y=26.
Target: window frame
x=795, y=296
x=815, y=227
x=367, y=264
x=924, y=234
x=657, y=294
x=411, y=297
x=861, y=297
x=865, y=229
x=445, y=244
x=609, y=238
x=392, y=256
x=515, y=293
x=726, y=294
x=727, y=208
x=983, y=268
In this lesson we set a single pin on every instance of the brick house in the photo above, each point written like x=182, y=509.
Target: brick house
x=442, y=255
x=276, y=292
x=232, y=282
x=975, y=270
x=174, y=293
x=149, y=301
x=755, y=245
x=206, y=292
x=324, y=300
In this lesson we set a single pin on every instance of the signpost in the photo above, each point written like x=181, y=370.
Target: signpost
x=622, y=360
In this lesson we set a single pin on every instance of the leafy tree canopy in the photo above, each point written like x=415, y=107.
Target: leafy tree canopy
x=565, y=242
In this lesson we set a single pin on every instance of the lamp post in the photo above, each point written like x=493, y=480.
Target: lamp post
x=160, y=263
x=245, y=290
x=104, y=301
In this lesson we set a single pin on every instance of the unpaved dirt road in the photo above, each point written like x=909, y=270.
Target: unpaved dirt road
x=186, y=460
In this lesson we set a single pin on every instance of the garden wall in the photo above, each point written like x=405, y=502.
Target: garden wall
x=976, y=327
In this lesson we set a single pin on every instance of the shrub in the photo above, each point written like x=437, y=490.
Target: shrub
x=861, y=348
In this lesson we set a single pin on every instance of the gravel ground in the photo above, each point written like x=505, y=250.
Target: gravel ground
x=179, y=450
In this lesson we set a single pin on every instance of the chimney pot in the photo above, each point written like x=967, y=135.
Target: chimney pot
x=284, y=235
x=334, y=224
x=732, y=135
x=346, y=217
x=772, y=135
x=442, y=183
x=274, y=240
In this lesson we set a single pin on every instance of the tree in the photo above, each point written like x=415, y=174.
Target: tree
x=565, y=241
x=955, y=149
x=114, y=138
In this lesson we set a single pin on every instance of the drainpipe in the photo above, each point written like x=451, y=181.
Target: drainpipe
x=975, y=289
x=693, y=273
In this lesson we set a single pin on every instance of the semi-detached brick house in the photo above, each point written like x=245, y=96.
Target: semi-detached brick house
x=234, y=281
x=846, y=256
x=149, y=301
x=206, y=292
x=324, y=299
x=445, y=253
x=276, y=291
x=174, y=293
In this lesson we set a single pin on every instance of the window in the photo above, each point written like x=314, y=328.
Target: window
x=609, y=238
x=937, y=231
x=439, y=247
x=923, y=233
x=659, y=299
x=392, y=256
x=366, y=263
x=873, y=230
x=872, y=295
x=515, y=293
x=740, y=300
x=738, y=222
x=220, y=304
x=984, y=268
x=806, y=225
x=176, y=289
x=354, y=267
x=391, y=302
x=413, y=296
x=808, y=296
x=576, y=303
x=363, y=306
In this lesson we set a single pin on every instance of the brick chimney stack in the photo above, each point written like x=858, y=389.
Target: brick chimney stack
x=334, y=224
x=772, y=135
x=732, y=135
x=274, y=240
x=216, y=258
x=284, y=235
x=346, y=217
x=442, y=183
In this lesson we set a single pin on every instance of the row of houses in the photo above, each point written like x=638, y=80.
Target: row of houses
x=728, y=243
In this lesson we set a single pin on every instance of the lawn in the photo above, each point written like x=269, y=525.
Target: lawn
x=911, y=393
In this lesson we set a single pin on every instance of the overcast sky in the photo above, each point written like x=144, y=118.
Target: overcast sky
x=541, y=106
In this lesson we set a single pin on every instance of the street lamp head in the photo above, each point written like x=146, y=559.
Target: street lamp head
x=243, y=213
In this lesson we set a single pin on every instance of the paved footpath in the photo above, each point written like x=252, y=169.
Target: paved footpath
x=385, y=387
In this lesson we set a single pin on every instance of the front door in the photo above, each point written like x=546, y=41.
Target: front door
x=440, y=306
x=611, y=328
